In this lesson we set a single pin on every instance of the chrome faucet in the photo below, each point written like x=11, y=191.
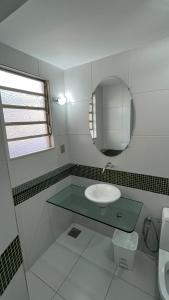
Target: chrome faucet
x=108, y=165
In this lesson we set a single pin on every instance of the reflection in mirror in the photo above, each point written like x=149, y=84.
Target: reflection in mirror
x=110, y=116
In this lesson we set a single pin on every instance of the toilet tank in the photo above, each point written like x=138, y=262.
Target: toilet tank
x=164, y=236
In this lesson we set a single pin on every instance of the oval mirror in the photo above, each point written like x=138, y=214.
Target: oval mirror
x=110, y=116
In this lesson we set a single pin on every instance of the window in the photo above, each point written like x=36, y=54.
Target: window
x=92, y=117
x=26, y=113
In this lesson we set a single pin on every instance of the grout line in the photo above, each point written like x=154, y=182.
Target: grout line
x=80, y=256
x=113, y=276
x=42, y=280
x=138, y=288
x=150, y=91
x=68, y=274
x=56, y=294
x=88, y=242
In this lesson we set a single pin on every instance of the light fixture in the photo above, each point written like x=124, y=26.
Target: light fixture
x=61, y=99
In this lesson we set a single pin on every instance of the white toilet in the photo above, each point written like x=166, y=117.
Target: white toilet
x=163, y=263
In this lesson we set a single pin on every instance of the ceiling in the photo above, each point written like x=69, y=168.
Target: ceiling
x=67, y=33
x=9, y=6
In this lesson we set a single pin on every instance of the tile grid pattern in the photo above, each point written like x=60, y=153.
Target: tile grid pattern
x=155, y=184
x=79, y=257
x=10, y=261
x=94, y=258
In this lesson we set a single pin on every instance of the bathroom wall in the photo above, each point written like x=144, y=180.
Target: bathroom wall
x=146, y=72
x=39, y=223
x=32, y=166
x=16, y=289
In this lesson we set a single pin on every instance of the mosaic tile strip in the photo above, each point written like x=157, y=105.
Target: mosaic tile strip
x=10, y=261
x=27, y=185
x=144, y=182
x=149, y=183
x=33, y=187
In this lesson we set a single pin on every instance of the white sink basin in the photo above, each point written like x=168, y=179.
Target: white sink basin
x=102, y=193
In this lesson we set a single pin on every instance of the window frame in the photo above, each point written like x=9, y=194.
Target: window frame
x=92, y=115
x=46, y=108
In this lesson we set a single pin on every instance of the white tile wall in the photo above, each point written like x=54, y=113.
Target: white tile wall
x=148, y=155
x=149, y=68
x=13, y=58
x=152, y=107
x=27, y=168
x=78, y=82
x=40, y=223
x=77, y=117
x=8, y=228
x=146, y=71
x=83, y=151
x=115, y=65
x=16, y=289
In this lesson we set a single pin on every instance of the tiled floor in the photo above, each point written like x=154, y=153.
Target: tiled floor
x=83, y=269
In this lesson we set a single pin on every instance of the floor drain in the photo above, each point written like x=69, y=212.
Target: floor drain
x=74, y=232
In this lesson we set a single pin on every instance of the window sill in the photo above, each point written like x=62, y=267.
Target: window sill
x=30, y=154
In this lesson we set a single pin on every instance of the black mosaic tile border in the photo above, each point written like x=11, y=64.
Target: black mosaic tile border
x=159, y=185
x=33, y=187
x=10, y=261
x=149, y=183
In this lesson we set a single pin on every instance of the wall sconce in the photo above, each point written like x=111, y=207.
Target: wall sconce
x=61, y=99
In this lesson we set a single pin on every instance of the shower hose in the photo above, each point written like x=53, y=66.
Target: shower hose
x=147, y=226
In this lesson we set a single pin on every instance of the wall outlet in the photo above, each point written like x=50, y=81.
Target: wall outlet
x=62, y=148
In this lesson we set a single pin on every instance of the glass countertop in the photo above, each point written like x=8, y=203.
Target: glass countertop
x=122, y=214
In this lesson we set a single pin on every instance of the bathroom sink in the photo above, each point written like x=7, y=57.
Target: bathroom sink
x=102, y=193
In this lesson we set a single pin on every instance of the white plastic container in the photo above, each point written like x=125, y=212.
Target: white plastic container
x=125, y=247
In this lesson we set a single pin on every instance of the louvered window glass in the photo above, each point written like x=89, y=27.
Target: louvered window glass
x=25, y=104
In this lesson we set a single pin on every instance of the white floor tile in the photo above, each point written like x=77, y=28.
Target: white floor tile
x=100, y=252
x=54, y=265
x=78, y=244
x=120, y=290
x=38, y=290
x=57, y=297
x=143, y=275
x=86, y=282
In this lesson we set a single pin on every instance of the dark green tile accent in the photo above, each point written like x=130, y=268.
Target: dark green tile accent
x=33, y=187
x=10, y=261
x=149, y=183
